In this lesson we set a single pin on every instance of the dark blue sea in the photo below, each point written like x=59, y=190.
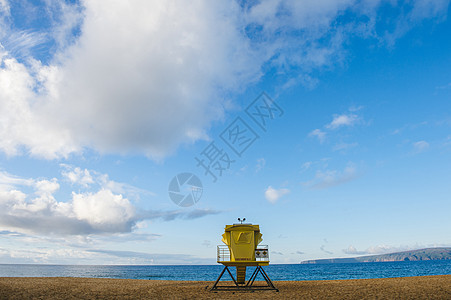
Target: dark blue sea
x=211, y=272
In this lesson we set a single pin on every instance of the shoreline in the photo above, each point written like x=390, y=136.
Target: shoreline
x=422, y=287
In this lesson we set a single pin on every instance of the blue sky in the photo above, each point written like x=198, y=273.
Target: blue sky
x=101, y=107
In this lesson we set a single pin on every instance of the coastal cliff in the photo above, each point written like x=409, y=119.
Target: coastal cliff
x=413, y=255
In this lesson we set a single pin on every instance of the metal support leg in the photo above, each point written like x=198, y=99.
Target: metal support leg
x=268, y=281
x=233, y=278
x=265, y=276
x=249, y=285
x=253, y=276
x=219, y=278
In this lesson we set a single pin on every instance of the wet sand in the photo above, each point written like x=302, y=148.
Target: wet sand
x=426, y=287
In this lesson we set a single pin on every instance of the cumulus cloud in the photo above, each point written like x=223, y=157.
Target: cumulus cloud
x=84, y=213
x=21, y=122
x=145, y=76
x=342, y=120
x=143, y=82
x=104, y=211
x=328, y=178
x=273, y=195
x=78, y=176
x=86, y=179
x=347, y=119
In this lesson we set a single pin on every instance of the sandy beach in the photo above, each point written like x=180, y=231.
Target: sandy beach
x=427, y=287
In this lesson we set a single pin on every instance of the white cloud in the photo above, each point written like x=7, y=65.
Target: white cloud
x=47, y=187
x=22, y=122
x=342, y=120
x=4, y=15
x=145, y=76
x=88, y=178
x=45, y=255
x=68, y=254
x=415, y=12
x=4, y=6
x=352, y=250
x=420, y=146
x=328, y=178
x=143, y=82
x=273, y=195
x=79, y=176
x=8, y=180
x=66, y=19
x=84, y=213
x=104, y=211
x=321, y=135
x=21, y=43
x=58, y=21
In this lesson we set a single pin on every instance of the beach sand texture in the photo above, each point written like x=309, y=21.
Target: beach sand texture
x=427, y=287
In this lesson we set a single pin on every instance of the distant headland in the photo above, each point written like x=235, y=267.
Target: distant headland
x=413, y=255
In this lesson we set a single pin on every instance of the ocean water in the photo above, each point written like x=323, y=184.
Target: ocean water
x=211, y=272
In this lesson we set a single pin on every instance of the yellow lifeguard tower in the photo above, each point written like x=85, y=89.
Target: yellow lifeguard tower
x=242, y=250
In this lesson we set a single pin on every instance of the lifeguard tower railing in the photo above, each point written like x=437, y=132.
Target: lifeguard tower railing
x=261, y=253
